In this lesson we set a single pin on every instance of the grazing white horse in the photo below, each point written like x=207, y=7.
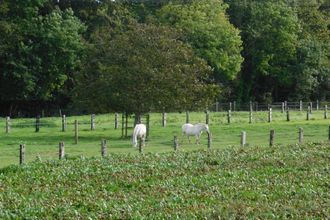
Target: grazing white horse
x=140, y=131
x=194, y=130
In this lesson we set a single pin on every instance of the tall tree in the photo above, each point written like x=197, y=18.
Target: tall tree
x=270, y=35
x=208, y=30
x=145, y=68
x=38, y=52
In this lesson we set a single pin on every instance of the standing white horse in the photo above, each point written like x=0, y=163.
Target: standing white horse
x=194, y=130
x=140, y=131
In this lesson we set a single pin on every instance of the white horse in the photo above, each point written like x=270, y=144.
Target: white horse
x=194, y=130
x=140, y=131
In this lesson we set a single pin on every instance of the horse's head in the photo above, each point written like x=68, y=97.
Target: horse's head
x=206, y=128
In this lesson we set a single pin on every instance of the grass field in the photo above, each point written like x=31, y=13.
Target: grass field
x=45, y=143
x=235, y=183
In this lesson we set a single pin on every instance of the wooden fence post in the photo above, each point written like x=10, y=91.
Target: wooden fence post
x=270, y=115
x=148, y=125
x=251, y=107
x=116, y=120
x=308, y=112
x=287, y=114
x=282, y=107
x=230, y=106
x=176, y=143
x=141, y=144
x=310, y=107
x=209, y=141
x=250, y=117
x=207, y=117
x=301, y=135
x=243, y=138
x=76, y=131
x=229, y=116
x=63, y=123
x=103, y=148
x=164, y=118
x=285, y=105
x=37, y=123
x=7, y=124
x=271, y=138
x=122, y=124
x=187, y=116
x=317, y=105
x=126, y=124
x=300, y=105
x=60, y=112
x=234, y=104
x=325, y=112
x=61, y=150
x=92, y=122
x=21, y=154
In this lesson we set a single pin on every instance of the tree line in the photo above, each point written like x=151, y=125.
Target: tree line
x=137, y=56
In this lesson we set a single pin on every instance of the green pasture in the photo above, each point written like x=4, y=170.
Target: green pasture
x=44, y=144
x=281, y=182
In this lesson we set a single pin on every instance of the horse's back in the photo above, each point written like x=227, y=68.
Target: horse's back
x=186, y=127
x=140, y=129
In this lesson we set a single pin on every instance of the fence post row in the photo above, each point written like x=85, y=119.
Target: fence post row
x=122, y=124
x=271, y=138
x=103, y=147
x=325, y=112
x=164, y=118
x=37, y=123
x=63, y=123
x=229, y=116
x=21, y=154
x=187, y=116
x=141, y=144
x=308, y=112
x=92, y=122
x=176, y=143
x=207, y=117
x=301, y=135
x=270, y=115
x=148, y=125
x=243, y=138
x=288, y=114
x=76, y=131
x=61, y=150
x=126, y=124
x=209, y=140
x=116, y=120
x=7, y=124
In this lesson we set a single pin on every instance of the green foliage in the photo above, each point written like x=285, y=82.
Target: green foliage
x=38, y=53
x=207, y=28
x=278, y=182
x=145, y=67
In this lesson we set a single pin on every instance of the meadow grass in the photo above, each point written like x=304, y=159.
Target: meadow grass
x=44, y=143
x=280, y=182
